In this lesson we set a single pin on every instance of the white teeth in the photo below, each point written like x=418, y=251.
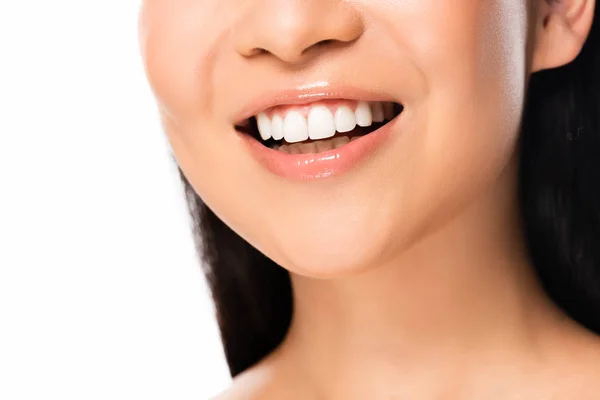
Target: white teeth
x=320, y=123
x=277, y=127
x=377, y=111
x=364, y=117
x=264, y=126
x=295, y=128
x=345, y=119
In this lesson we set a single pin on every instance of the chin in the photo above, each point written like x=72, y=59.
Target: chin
x=331, y=256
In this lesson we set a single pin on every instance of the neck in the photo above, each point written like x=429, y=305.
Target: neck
x=465, y=291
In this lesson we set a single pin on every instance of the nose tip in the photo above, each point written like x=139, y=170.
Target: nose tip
x=291, y=30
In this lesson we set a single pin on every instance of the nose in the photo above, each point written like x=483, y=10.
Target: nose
x=293, y=30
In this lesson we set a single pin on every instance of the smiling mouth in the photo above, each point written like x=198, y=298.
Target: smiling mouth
x=319, y=126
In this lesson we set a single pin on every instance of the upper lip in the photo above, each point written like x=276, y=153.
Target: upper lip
x=307, y=94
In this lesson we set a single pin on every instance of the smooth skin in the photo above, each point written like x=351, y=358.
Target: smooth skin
x=409, y=272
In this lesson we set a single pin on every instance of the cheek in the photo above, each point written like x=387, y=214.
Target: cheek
x=464, y=130
x=222, y=179
x=178, y=41
x=477, y=76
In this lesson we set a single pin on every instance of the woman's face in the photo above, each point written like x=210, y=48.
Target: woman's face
x=457, y=67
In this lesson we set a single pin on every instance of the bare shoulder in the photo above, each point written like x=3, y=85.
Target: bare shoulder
x=252, y=384
x=263, y=381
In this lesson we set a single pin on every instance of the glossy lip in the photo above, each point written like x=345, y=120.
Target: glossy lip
x=303, y=167
x=307, y=94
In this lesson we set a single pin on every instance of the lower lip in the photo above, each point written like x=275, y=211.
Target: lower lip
x=322, y=165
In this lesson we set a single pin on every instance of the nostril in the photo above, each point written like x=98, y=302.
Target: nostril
x=319, y=44
x=324, y=42
x=256, y=51
x=260, y=50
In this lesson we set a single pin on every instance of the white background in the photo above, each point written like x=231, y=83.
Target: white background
x=101, y=291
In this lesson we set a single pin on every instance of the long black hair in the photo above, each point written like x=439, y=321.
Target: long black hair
x=559, y=196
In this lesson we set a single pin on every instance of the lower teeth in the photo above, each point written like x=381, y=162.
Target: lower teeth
x=318, y=146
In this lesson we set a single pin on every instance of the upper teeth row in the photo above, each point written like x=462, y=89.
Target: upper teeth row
x=322, y=122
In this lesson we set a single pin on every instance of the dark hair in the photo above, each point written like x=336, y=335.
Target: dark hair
x=559, y=200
